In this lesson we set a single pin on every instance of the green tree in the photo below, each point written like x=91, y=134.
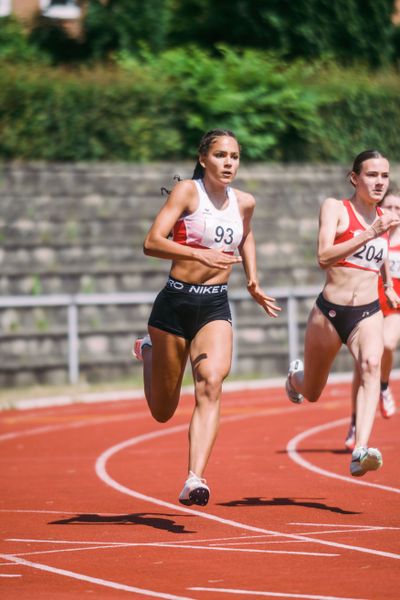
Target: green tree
x=125, y=25
x=52, y=40
x=14, y=44
x=349, y=30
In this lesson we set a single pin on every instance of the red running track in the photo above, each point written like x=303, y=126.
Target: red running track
x=89, y=504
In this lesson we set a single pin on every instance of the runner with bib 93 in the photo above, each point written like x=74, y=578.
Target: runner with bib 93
x=211, y=232
x=352, y=249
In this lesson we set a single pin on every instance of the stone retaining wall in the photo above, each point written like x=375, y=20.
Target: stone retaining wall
x=68, y=228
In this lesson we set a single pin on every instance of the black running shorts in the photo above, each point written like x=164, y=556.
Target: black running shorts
x=184, y=308
x=345, y=318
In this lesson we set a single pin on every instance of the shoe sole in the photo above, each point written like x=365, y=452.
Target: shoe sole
x=136, y=350
x=350, y=446
x=298, y=399
x=138, y=347
x=386, y=414
x=370, y=463
x=198, y=496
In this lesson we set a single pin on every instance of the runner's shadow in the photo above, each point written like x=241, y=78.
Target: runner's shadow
x=317, y=451
x=306, y=502
x=148, y=519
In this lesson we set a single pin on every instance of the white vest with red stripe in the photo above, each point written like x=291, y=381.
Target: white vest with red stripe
x=209, y=227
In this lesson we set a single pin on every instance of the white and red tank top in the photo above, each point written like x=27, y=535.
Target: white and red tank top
x=394, y=261
x=372, y=254
x=209, y=227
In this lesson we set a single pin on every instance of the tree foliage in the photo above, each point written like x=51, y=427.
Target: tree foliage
x=14, y=44
x=125, y=25
x=157, y=106
x=349, y=30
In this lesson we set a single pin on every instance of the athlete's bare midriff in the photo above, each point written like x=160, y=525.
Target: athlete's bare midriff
x=350, y=287
x=193, y=272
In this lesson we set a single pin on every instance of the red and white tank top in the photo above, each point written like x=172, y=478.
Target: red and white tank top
x=208, y=227
x=394, y=261
x=372, y=254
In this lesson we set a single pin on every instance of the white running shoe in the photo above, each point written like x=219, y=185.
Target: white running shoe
x=350, y=441
x=140, y=343
x=387, y=405
x=365, y=459
x=295, y=365
x=195, y=491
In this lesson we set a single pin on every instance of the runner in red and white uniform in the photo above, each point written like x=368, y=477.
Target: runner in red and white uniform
x=211, y=232
x=391, y=323
x=390, y=309
x=352, y=248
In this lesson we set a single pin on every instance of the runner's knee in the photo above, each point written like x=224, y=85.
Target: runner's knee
x=161, y=416
x=370, y=366
x=313, y=396
x=208, y=388
x=163, y=409
x=390, y=345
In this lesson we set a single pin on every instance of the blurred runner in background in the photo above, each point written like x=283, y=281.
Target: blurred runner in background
x=353, y=243
x=391, y=323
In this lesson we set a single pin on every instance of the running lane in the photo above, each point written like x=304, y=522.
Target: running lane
x=90, y=504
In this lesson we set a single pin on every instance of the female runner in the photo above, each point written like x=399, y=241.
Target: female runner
x=352, y=248
x=390, y=307
x=211, y=232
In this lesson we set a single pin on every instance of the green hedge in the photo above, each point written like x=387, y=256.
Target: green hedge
x=156, y=108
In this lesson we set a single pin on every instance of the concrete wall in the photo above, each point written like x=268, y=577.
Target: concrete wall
x=79, y=228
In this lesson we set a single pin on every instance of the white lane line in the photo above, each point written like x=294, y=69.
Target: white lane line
x=135, y=395
x=50, y=512
x=269, y=594
x=193, y=546
x=63, y=550
x=103, y=582
x=331, y=529
x=219, y=539
x=361, y=527
x=245, y=550
x=36, y=541
x=324, y=532
x=47, y=429
x=7, y=575
x=79, y=423
x=102, y=473
x=74, y=425
x=295, y=456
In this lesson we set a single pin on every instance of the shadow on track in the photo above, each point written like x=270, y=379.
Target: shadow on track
x=306, y=502
x=147, y=519
x=318, y=451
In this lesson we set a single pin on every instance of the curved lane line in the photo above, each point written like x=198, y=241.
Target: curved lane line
x=103, y=582
x=295, y=456
x=101, y=471
x=273, y=594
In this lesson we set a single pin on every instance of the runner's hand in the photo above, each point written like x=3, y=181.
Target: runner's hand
x=392, y=297
x=217, y=258
x=385, y=222
x=262, y=299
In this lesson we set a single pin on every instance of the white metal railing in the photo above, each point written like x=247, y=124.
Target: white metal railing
x=73, y=301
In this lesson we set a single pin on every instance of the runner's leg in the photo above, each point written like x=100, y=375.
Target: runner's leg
x=163, y=369
x=211, y=357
